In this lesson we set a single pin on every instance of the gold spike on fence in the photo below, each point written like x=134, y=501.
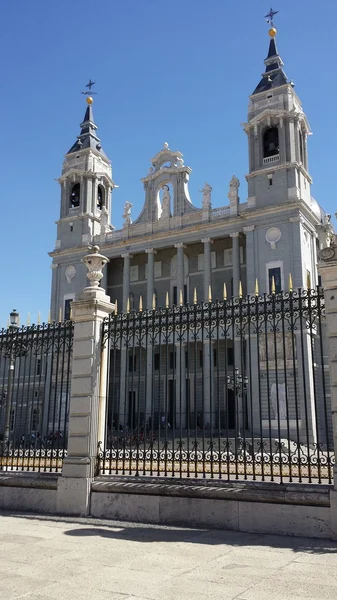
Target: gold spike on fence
x=240, y=289
x=290, y=284
x=140, y=303
x=153, y=301
x=116, y=307
x=167, y=300
x=181, y=302
x=28, y=319
x=39, y=318
x=256, y=287
x=273, y=287
x=128, y=305
x=195, y=298
x=60, y=315
x=224, y=291
x=209, y=293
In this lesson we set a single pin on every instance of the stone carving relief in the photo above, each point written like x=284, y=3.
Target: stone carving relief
x=70, y=273
x=287, y=350
x=273, y=235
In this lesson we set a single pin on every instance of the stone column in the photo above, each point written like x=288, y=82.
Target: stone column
x=124, y=351
x=180, y=270
x=126, y=279
x=79, y=467
x=236, y=262
x=149, y=350
x=207, y=266
x=180, y=379
x=282, y=142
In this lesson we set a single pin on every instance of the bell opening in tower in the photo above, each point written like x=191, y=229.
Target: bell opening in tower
x=100, y=197
x=270, y=142
x=75, y=196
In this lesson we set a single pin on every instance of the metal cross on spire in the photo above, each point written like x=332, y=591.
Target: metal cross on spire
x=270, y=16
x=89, y=86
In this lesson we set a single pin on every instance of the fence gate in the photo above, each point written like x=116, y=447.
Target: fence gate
x=35, y=368
x=227, y=389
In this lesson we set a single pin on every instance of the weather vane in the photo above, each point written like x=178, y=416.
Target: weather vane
x=89, y=86
x=270, y=16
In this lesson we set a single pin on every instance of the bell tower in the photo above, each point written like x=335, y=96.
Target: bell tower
x=85, y=211
x=277, y=131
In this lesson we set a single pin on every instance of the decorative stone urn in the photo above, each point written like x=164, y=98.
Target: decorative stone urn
x=95, y=262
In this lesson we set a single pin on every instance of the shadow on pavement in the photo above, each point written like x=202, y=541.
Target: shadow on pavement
x=148, y=533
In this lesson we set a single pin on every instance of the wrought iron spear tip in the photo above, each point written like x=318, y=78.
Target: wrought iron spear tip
x=224, y=291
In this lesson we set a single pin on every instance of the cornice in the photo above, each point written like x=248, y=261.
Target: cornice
x=273, y=167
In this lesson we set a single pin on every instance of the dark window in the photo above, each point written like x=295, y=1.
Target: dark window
x=156, y=361
x=173, y=360
x=75, y=195
x=276, y=273
x=67, y=309
x=100, y=197
x=230, y=357
x=270, y=142
x=270, y=181
x=132, y=363
x=215, y=358
x=301, y=147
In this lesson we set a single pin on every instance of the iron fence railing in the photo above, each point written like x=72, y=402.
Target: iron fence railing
x=35, y=368
x=227, y=389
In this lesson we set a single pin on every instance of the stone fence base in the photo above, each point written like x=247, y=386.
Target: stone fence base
x=298, y=510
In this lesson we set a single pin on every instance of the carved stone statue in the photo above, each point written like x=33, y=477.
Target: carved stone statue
x=278, y=400
x=233, y=193
x=206, y=197
x=166, y=203
x=127, y=213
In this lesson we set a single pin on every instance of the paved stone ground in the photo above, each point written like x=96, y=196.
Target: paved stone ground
x=45, y=558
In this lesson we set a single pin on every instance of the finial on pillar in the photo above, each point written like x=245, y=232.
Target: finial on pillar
x=95, y=262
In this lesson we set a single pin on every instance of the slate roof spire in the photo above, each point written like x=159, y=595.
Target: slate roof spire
x=88, y=137
x=274, y=76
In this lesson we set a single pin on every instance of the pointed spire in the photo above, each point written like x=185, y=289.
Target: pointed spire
x=88, y=137
x=274, y=76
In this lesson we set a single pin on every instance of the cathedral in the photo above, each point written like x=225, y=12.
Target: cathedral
x=175, y=253
x=175, y=249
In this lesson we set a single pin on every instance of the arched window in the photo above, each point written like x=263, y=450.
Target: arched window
x=75, y=196
x=270, y=142
x=100, y=197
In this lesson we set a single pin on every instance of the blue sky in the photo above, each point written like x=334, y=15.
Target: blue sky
x=165, y=71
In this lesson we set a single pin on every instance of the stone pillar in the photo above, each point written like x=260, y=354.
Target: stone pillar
x=328, y=269
x=180, y=270
x=79, y=467
x=236, y=262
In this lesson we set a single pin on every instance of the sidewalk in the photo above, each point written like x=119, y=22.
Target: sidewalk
x=45, y=558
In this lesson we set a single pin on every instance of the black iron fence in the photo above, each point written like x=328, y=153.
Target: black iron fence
x=35, y=366
x=227, y=389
